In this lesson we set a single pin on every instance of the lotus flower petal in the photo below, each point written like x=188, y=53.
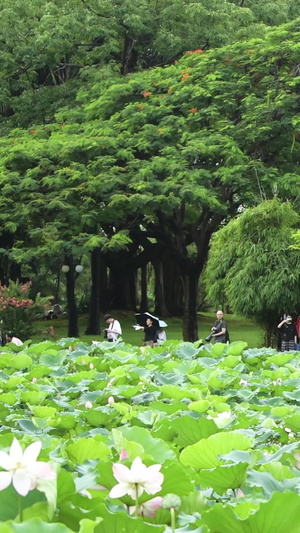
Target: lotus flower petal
x=23, y=481
x=5, y=480
x=5, y=461
x=15, y=452
x=43, y=470
x=121, y=473
x=31, y=453
x=119, y=490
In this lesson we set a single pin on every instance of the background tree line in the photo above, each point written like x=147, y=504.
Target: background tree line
x=127, y=167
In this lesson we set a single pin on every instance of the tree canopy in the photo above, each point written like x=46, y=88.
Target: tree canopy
x=158, y=158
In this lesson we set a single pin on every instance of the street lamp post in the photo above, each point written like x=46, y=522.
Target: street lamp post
x=71, y=271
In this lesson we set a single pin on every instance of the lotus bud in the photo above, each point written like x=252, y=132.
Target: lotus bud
x=171, y=500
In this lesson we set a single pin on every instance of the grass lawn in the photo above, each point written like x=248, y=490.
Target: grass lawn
x=239, y=328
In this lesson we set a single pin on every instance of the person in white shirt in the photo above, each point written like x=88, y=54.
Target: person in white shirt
x=114, y=328
x=161, y=336
x=10, y=337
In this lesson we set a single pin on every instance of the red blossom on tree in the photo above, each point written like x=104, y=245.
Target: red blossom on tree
x=194, y=110
x=185, y=76
x=146, y=94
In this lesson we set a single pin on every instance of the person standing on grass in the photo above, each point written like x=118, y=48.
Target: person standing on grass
x=150, y=331
x=113, y=331
x=219, y=329
x=288, y=334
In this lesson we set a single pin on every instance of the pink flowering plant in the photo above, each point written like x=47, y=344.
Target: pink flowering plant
x=18, y=310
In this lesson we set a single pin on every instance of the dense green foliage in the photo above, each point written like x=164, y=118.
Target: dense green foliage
x=46, y=45
x=223, y=422
x=143, y=167
x=252, y=267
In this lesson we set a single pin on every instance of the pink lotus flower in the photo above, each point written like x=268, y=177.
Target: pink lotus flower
x=88, y=405
x=136, y=480
x=22, y=469
x=123, y=455
x=148, y=508
x=111, y=400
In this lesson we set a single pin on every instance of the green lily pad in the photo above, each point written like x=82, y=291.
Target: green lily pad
x=204, y=454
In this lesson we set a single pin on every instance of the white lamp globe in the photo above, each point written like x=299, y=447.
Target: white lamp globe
x=79, y=268
x=65, y=268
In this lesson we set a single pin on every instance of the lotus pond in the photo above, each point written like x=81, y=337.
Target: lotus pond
x=139, y=440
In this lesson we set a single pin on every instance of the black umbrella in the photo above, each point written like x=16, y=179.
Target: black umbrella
x=142, y=317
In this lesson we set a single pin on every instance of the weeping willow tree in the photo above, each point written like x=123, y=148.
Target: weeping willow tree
x=252, y=266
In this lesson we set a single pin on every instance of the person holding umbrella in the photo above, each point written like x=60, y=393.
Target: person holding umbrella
x=149, y=324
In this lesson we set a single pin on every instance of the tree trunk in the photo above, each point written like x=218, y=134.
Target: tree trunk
x=93, y=327
x=271, y=335
x=15, y=272
x=173, y=287
x=129, y=56
x=73, y=330
x=104, y=302
x=190, y=323
x=160, y=303
x=144, y=289
x=133, y=292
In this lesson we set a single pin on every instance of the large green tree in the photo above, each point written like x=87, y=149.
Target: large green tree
x=252, y=266
x=166, y=155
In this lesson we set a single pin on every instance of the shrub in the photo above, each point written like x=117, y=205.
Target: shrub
x=18, y=311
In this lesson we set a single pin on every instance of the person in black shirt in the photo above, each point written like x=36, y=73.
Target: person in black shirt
x=150, y=332
x=219, y=330
x=288, y=334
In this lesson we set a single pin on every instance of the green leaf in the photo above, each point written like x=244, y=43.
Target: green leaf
x=36, y=525
x=236, y=348
x=218, y=349
x=199, y=406
x=279, y=514
x=224, y=477
x=191, y=430
x=204, y=454
x=65, y=486
x=158, y=449
x=186, y=350
x=86, y=449
x=121, y=522
x=9, y=502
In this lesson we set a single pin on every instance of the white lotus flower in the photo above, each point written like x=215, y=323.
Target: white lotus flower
x=23, y=469
x=224, y=414
x=136, y=480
